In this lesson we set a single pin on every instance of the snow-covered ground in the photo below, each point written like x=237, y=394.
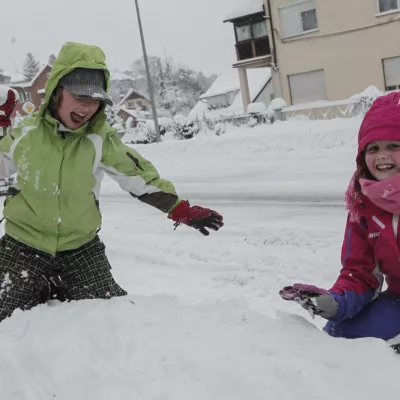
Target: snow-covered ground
x=203, y=319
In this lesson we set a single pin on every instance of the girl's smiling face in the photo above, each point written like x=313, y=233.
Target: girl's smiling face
x=383, y=158
x=76, y=111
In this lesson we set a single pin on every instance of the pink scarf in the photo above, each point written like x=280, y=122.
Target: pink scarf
x=385, y=194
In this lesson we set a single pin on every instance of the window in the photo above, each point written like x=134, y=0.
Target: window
x=260, y=29
x=243, y=33
x=306, y=87
x=299, y=17
x=250, y=31
x=388, y=5
x=391, y=70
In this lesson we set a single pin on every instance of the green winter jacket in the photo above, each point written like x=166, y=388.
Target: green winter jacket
x=54, y=205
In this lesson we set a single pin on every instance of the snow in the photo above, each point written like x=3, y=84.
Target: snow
x=371, y=91
x=229, y=82
x=165, y=121
x=250, y=7
x=278, y=104
x=180, y=119
x=203, y=319
x=255, y=108
x=116, y=75
x=15, y=76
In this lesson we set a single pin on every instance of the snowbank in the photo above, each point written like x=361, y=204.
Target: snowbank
x=161, y=349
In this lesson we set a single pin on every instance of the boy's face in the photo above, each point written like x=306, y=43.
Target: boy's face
x=76, y=111
x=383, y=158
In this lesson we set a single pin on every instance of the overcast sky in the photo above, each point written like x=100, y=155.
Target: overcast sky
x=190, y=31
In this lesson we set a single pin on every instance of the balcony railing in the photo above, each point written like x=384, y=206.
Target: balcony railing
x=252, y=48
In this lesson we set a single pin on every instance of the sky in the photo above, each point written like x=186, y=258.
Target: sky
x=190, y=31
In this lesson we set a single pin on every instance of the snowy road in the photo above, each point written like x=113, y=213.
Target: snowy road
x=264, y=245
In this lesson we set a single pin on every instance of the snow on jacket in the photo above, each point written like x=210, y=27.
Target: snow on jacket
x=370, y=252
x=54, y=206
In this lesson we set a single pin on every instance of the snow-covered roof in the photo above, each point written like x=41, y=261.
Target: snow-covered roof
x=226, y=83
x=116, y=75
x=19, y=80
x=132, y=113
x=126, y=97
x=252, y=7
x=229, y=82
x=15, y=76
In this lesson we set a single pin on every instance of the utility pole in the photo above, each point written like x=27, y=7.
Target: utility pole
x=149, y=80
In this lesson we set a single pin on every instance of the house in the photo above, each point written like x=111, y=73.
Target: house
x=128, y=114
x=5, y=78
x=320, y=50
x=134, y=100
x=224, y=97
x=30, y=91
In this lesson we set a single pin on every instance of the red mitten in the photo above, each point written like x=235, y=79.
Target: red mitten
x=197, y=217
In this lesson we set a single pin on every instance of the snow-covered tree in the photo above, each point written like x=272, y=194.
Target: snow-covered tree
x=52, y=58
x=177, y=87
x=110, y=115
x=31, y=66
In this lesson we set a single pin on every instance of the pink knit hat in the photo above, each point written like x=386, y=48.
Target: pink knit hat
x=381, y=122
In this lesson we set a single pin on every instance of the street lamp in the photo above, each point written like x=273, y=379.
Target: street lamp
x=149, y=80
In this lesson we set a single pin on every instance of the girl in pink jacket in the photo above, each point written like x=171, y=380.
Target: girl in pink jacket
x=356, y=306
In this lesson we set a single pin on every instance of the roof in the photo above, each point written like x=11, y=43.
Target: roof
x=132, y=113
x=15, y=76
x=229, y=82
x=20, y=81
x=131, y=95
x=116, y=75
x=258, y=78
x=252, y=7
x=225, y=83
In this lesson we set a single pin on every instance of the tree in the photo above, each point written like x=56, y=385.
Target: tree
x=31, y=66
x=52, y=58
x=177, y=88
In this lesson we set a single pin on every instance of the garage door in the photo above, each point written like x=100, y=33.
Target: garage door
x=307, y=87
x=391, y=67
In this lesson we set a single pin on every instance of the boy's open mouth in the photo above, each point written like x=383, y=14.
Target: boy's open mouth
x=384, y=167
x=78, y=118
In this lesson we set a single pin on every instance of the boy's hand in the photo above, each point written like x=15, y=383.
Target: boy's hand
x=197, y=217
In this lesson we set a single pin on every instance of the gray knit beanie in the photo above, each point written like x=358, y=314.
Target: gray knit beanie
x=84, y=82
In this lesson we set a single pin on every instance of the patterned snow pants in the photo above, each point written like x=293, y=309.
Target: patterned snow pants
x=26, y=273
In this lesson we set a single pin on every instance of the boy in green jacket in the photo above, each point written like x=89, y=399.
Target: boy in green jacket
x=52, y=213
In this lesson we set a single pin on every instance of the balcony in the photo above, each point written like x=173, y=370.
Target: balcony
x=252, y=42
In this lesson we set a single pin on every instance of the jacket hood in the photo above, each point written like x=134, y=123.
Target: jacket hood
x=76, y=55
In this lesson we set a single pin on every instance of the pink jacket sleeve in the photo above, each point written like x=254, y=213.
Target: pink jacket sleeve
x=360, y=279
